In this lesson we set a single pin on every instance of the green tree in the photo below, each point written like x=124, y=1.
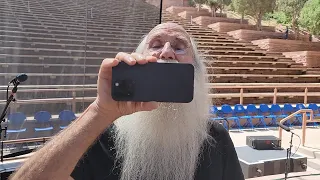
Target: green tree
x=240, y=6
x=214, y=5
x=255, y=8
x=223, y=3
x=258, y=8
x=291, y=9
x=199, y=3
x=310, y=16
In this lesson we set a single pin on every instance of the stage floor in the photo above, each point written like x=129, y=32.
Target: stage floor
x=312, y=140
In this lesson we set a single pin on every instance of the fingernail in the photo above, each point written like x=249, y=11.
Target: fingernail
x=141, y=57
x=131, y=59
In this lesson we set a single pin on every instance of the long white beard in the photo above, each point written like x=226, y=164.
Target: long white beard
x=164, y=144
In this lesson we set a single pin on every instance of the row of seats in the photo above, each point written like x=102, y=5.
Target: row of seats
x=17, y=119
x=250, y=112
x=81, y=68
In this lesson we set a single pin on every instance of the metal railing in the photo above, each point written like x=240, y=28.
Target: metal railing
x=304, y=122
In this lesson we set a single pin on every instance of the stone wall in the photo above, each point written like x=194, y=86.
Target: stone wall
x=307, y=58
x=226, y=27
x=207, y=20
x=282, y=45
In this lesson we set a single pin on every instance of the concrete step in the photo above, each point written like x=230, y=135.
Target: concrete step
x=312, y=154
x=309, y=151
x=313, y=72
x=314, y=164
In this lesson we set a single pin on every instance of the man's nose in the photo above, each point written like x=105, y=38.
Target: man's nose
x=167, y=52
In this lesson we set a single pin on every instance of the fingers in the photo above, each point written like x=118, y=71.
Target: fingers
x=125, y=57
x=133, y=58
x=106, y=67
x=141, y=59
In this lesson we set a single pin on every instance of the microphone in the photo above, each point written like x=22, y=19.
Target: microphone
x=284, y=127
x=19, y=78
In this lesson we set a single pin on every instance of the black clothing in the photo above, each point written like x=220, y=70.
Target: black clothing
x=218, y=160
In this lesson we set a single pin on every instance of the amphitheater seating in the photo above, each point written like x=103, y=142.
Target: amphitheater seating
x=16, y=121
x=280, y=45
x=307, y=58
x=228, y=26
x=260, y=116
x=48, y=44
x=204, y=21
x=177, y=9
x=66, y=117
x=250, y=35
x=43, y=118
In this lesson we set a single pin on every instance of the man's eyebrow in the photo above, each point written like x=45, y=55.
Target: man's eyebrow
x=183, y=40
x=179, y=38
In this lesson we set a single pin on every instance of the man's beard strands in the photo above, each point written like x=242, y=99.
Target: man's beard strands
x=164, y=144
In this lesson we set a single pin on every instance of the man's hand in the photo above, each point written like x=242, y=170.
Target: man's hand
x=104, y=102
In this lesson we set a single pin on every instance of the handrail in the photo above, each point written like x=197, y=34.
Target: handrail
x=241, y=95
x=304, y=122
x=213, y=85
x=18, y=141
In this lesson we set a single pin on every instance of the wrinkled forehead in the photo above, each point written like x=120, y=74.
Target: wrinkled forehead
x=171, y=30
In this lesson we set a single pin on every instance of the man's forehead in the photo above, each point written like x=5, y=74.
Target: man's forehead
x=169, y=28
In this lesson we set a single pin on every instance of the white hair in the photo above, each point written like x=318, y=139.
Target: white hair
x=165, y=143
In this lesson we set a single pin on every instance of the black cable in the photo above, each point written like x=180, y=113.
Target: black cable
x=160, y=19
x=8, y=91
x=298, y=146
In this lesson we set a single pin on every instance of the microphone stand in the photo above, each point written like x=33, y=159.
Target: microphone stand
x=288, y=163
x=4, y=112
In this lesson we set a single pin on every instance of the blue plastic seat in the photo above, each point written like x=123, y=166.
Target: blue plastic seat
x=66, y=116
x=229, y=115
x=16, y=120
x=298, y=121
x=254, y=113
x=241, y=113
x=289, y=109
x=264, y=111
x=217, y=116
x=43, y=117
x=275, y=113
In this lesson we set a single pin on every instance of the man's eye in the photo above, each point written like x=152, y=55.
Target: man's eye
x=156, y=47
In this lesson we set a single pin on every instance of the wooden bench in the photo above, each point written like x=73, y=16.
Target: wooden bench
x=307, y=58
x=193, y=14
x=212, y=39
x=18, y=58
x=212, y=47
x=270, y=64
x=57, y=52
x=64, y=36
x=247, y=58
x=68, y=46
x=227, y=26
x=250, y=35
x=178, y=10
x=232, y=52
x=256, y=70
x=281, y=45
x=204, y=21
x=230, y=44
x=251, y=78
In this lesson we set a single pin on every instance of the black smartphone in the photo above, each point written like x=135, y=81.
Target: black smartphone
x=160, y=82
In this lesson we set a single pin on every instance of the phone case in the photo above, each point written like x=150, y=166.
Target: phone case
x=161, y=82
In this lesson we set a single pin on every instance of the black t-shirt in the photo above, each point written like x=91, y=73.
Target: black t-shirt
x=218, y=160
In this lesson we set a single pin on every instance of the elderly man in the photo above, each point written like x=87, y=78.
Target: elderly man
x=141, y=140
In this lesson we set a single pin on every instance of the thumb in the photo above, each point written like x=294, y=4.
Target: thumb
x=148, y=106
